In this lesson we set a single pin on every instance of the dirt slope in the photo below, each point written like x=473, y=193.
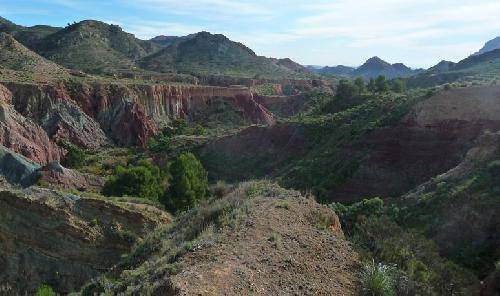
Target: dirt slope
x=49, y=237
x=264, y=241
x=276, y=252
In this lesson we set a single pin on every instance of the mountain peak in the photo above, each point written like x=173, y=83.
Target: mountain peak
x=489, y=46
x=375, y=63
x=6, y=25
x=375, y=66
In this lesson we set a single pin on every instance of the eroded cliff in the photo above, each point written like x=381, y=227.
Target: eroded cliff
x=90, y=113
x=63, y=240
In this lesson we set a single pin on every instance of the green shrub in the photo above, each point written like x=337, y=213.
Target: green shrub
x=163, y=141
x=346, y=90
x=381, y=84
x=92, y=289
x=494, y=169
x=398, y=85
x=349, y=215
x=45, y=290
x=220, y=189
x=143, y=180
x=75, y=157
x=377, y=280
x=189, y=183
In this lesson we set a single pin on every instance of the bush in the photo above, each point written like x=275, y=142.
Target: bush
x=346, y=90
x=381, y=84
x=45, y=290
x=377, y=280
x=177, y=127
x=75, y=158
x=220, y=189
x=92, y=289
x=398, y=85
x=143, y=180
x=494, y=169
x=189, y=183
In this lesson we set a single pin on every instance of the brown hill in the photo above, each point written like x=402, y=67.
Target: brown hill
x=14, y=56
x=258, y=239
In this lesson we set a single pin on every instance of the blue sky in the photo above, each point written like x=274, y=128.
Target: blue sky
x=419, y=33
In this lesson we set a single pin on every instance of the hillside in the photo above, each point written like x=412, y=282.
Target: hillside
x=95, y=47
x=489, y=46
x=68, y=239
x=99, y=48
x=375, y=66
x=372, y=68
x=475, y=69
x=165, y=41
x=14, y=56
x=337, y=70
x=258, y=239
x=206, y=53
x=29, y=36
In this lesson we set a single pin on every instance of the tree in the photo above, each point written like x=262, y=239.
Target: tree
x=346, y=90
x=398, y=85
x=371, y=85
x=142, y=180
x=45, y=290
x=360, y=85
x=189, y=183
x=75, y=156
x=381, y=84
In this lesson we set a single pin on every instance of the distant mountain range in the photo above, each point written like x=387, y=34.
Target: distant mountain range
x=96, y=47
x=373, y=67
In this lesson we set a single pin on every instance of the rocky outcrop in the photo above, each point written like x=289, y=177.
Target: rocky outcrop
x=56, y=175
x=55, y=110
x=164, y=102
x=64, y=240
x=24, y=136
x=17, y=169
x=88, y=114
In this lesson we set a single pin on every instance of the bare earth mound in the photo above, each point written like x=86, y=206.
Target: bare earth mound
x=277, y=251
x=258, y=239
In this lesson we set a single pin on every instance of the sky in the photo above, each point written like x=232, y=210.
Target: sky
x=419, y=33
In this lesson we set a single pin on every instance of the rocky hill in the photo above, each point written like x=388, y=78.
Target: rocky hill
x=480, y=68
x=258, y=239
x=489, y=46
x=206, y=53
x=336, y=70
x=372, y=68
x=14, y=56
x=94, y=46
x=375, y=66
x=29, y=36
x=64, y=240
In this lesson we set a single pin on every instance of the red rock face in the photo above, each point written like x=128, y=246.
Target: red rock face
x=90, y=114
x=164, y=102
x=24, y=136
